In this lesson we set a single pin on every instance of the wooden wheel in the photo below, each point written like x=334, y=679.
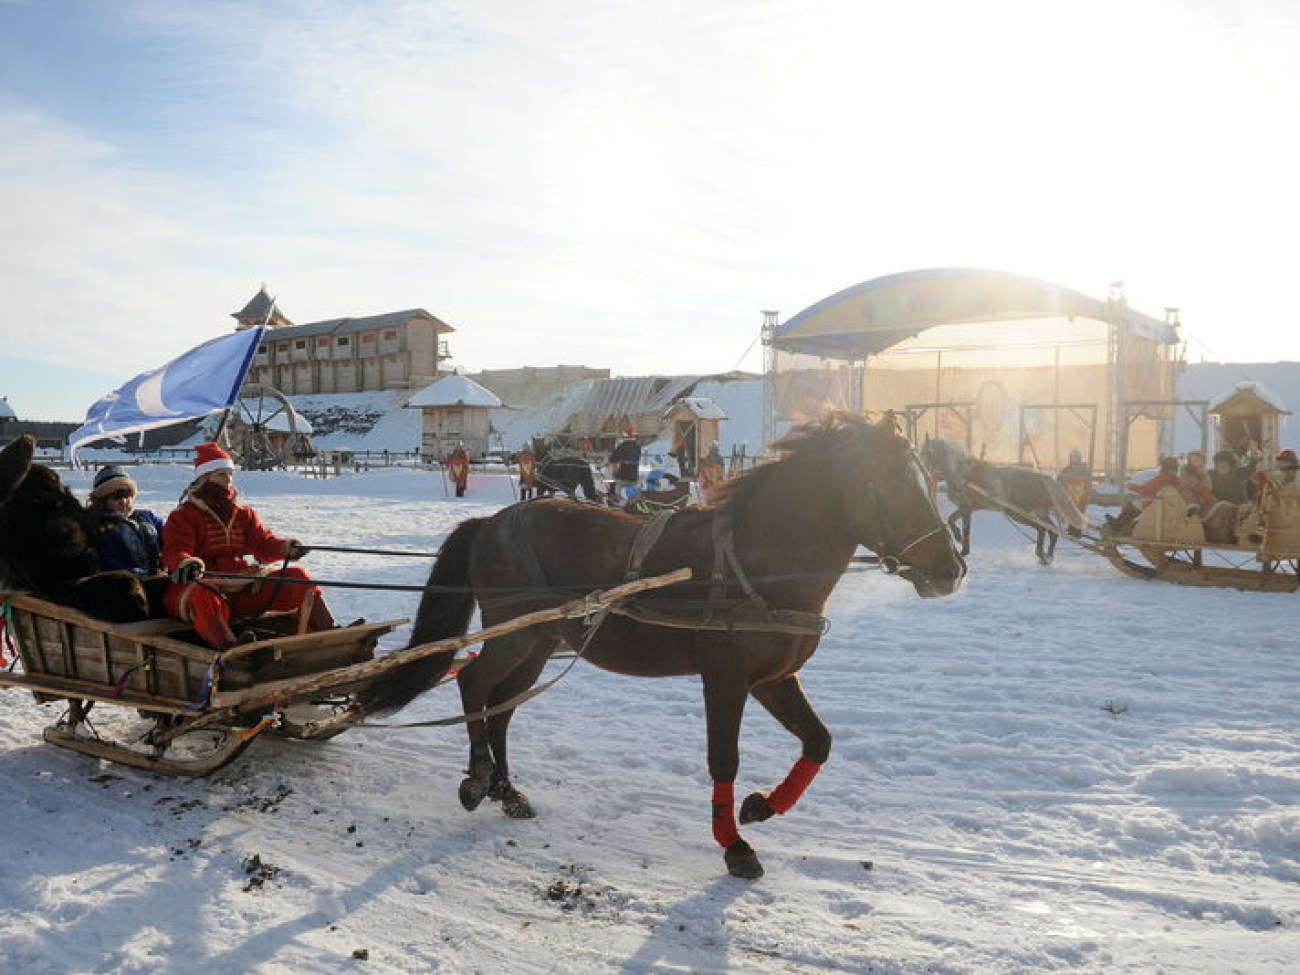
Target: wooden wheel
x=264, y=431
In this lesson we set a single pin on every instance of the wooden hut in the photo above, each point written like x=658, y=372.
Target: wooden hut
x=695, y=422
x=455, y=410
x=1248, y=411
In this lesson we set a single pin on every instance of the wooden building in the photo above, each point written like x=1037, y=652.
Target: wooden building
x=1248, y=411
x=395, y=350
x=695, y=423
x=456, y=410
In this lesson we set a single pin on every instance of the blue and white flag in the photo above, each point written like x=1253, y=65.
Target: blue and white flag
x=202, y=381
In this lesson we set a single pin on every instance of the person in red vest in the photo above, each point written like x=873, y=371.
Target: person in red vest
x=711, y=473
x=527, y=474
x=458, y=469
x=213, y=530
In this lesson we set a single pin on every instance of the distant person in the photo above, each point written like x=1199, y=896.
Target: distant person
x=625, y=459
x=1248, y=454
x=458, y=469
x=1076, y=478
x=1166, y=476
x=527, y=474
x=126, y=537
x=213, y=530
x=712, y=471
x=1283, y=476
x=1194, y=483
x=1231, y=481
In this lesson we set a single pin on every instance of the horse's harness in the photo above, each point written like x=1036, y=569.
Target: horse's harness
x=716, y=611
x=893, y=558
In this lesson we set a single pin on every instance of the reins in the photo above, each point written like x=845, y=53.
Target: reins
x=892, y=559
x=372, y=551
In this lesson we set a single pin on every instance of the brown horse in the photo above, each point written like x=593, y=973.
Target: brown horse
x=765, y=558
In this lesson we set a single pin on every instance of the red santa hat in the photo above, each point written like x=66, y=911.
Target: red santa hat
x=209, y=457
x=629, y=433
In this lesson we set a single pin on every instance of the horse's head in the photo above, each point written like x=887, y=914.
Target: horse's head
x=896, y=515
x=43, y=535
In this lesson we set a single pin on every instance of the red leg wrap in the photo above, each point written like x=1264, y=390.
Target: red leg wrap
x=785, y=795
x=724, y=814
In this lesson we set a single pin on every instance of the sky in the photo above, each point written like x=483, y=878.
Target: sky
x=625, y=185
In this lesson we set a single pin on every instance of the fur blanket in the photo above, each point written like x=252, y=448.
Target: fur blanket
x=45, y=544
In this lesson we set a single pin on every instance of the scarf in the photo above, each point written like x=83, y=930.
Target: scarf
x=219, y=498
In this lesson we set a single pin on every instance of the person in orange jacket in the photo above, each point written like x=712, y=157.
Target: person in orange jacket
x=458, y=469
x=212, y=530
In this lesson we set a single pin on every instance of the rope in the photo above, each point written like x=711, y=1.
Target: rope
x=370, y=551
x=7, y=632
x=867, y=561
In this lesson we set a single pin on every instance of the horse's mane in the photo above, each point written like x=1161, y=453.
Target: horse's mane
x=808, y=446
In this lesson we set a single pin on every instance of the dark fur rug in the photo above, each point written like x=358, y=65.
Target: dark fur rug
x=45, y=542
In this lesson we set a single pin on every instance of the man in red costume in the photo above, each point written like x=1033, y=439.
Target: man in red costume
x=458, y=469
x=213, y=530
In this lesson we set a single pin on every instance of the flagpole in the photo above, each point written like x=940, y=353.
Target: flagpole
x=225, y=414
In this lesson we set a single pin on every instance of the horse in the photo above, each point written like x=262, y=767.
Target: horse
x=765, y=557
x=45, y=542
x=567, y=475
x=1020, y=487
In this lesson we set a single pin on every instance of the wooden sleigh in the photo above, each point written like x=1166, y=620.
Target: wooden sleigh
x=198, y=709
x=1169, y=544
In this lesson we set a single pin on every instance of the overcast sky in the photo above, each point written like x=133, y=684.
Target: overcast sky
x=626, y=184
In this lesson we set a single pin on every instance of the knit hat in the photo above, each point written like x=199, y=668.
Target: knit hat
x=209, y=457
x=110, y=480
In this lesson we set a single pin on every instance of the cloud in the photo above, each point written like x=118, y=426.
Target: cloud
x=627, y=185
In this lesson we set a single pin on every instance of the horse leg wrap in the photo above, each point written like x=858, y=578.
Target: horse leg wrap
x=724, y=814
x=785, y=795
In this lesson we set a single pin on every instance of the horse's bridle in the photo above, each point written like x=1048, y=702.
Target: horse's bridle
x=893, y=559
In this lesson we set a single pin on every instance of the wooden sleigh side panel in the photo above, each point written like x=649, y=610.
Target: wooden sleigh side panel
x=66, y=653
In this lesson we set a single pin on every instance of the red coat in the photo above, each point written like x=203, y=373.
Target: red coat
x=193, y=530
x=458, y=467
x=1152, y=487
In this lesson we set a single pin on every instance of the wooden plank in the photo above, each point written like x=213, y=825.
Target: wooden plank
x=157, y=626
x=57, y=686
x=298, y=643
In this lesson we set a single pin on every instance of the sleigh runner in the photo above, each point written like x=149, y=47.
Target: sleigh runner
x=201, y=709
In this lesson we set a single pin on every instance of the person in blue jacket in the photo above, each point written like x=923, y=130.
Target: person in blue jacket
x=126, y=537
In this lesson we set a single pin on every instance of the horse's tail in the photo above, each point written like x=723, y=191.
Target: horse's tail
x=445, y=611
x=1064, y=504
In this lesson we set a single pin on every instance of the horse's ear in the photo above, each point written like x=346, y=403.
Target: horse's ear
x=15, y=462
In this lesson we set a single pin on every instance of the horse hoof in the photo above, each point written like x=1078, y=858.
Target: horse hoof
x=755, y=809
x=517, y=806
x=472, y=792
x=513, y=802
x=742, y=861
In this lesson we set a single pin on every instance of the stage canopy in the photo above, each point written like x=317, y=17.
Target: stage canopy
x=1019, y=369
x=883, y=313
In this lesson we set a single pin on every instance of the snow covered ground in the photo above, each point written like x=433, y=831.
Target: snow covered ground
x=1054, y=770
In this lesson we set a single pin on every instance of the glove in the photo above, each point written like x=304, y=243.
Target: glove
x=294, y=550
x=188, y=571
